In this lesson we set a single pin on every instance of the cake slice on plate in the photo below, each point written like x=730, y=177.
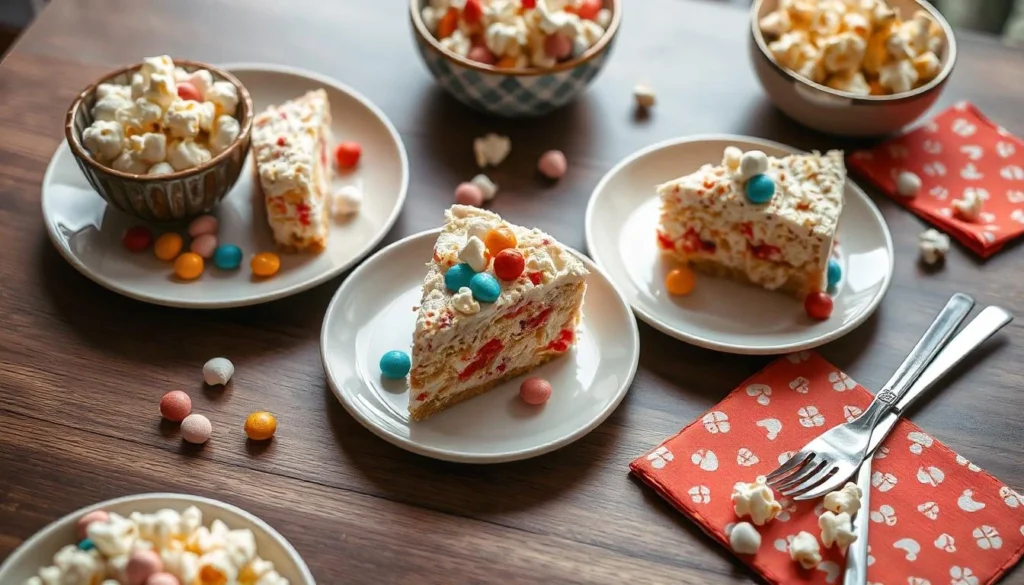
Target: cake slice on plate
x=290, y=142
x=498, y=301
x=758, y=219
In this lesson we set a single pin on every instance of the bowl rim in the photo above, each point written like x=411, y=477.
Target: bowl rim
x=425, y=35
x=185, y=499
x=869, y=100
x=82, y=154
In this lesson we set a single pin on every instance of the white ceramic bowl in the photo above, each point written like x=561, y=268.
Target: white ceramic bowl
x=838, y=112
x=38, y=551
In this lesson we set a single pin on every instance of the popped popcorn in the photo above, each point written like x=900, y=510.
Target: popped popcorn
x=755, y=500
x=933, y=246
x=487, y=187
x=860, y=47
x=845, y=500
x=968, y=207
x=805, y=550
x=514, y=34
x=744, y=539
x=836, y=529
x=464, y=302
x=148, y=128
x=491, y=149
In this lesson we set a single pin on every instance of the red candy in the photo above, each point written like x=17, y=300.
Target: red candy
x=175, y=406
x=472, y=12
x=528, y=4
x=481, y=55
x=509, y=264
x=589, y=9
x=535, y=391
x=818, y=306
x=187, y=91
x=82, y=525
x=347, y=154
x=137, y=238
x=558, y=46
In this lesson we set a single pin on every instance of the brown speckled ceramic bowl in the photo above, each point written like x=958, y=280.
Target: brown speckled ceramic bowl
x=838, y=112
x=172, y=197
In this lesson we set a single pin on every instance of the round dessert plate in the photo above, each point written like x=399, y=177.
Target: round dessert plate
x=372, y=313
x=88, y=233
x=38, y=551
x=721, y=314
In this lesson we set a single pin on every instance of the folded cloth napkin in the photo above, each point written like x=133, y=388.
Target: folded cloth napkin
x=958, y=153
x=936, y=518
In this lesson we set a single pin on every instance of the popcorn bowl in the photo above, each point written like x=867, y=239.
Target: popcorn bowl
x=838, y=112
x=512, y=93
x=38, y=551
x=168, y=197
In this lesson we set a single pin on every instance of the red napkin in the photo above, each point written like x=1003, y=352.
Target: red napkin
x=935, y=517
x=959, y=150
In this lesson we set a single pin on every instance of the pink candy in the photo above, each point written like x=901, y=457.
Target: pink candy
x=83, y=523
x=482, y=55
x=204, y=224
x=162, y=579
x=552, y=164
x=535, y=391
x=196, y=428
x=175, y=406
x=142, y=565
x=204, y=245
x=558, y=46
x=469, y=194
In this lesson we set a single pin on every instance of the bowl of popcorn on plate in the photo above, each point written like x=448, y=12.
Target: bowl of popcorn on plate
x=162, y=140
x=157, y=539
x=515, y=58
x=851, y=67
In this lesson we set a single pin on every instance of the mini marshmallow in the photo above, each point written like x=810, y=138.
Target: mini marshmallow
x=908, y=184
x=346, y=201
x=217, y=371
x=898, y=76
x=933, y=246
x=731, y=158
x=753, y=162
x=643, y=95
x=744, y=539
x=844, y=500
x=491, y=149
x=103, y=140
x=968, y=207
x=805, y=550
x=836, y=529
x=464, y=302
x=755, y=500
x=150, y=147
x=487, y=187
x=474, y=253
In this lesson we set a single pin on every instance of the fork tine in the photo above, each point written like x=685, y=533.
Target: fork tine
x=792, y=463
x=806, y=471
x=819, y=475
x=829, y=485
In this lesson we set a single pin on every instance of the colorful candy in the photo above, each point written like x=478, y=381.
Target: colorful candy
x=680, y=281
x=481, y=54
x=552, y=164
x=141, y=565
x=265, y=264
x=472, y=12
x=760, y=189
x=218, y=371
x=204, y=245
x=196, y=428
x=818, y=306
x=507, y=62
x=535, y=391
x=260, y=426
x=485, y=287
x=187, y=91
x=347, y=154
x=558, y=46
x=83, y=523
x=188, y=266
x=86, y=544
x=469, y=194
x=458, y=276
x=588, y=9
x=137, y=239
x=498, y=239
x=509, y=264
x=168, y=246
x=162, y=579
x=175, y=406
x=835, y=272
x=448, y=23
x=204, y=224
x=227, y=257
x=395, y=364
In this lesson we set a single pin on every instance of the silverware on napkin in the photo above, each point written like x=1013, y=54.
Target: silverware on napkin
x=857, y=554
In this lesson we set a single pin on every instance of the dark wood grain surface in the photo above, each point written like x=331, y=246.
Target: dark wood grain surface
x=81, y=369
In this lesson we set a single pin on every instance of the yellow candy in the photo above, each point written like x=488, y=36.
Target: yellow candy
x=680, y=281
x=188, y=266
x=168, y=246
x=260, y=426
x=265, y=264
x=498, y=239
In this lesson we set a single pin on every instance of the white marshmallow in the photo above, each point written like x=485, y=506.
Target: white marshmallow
x=150, y=148
x=805, y=550
x=933, y=245
x=104, y=140
x=464, y=302
x=491, y=149
x=225, y=131
x=755, y=500
x=836, y=529
x=908, y=184
x=217, y=371
x=744, y=539
x=845, y=500
x=731, y=158
x=186, y=154
x=753, y=162
x=486, y=186
x=474, y=253
x=346, y=201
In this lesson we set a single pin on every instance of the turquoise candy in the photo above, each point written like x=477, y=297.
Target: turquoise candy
x=395, y=364
x=86, y=544
x=835, y=272
x=760, y=189
x=227, y=257
x=485, y=287
x=458, y=276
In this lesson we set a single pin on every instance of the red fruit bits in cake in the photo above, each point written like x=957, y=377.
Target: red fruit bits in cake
x=818, y=306
x=137, y=239
x=509, y=264
x=347, y=154
x=175, y=406
x=535, y=391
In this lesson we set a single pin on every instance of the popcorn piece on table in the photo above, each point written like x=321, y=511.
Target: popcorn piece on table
x=933, y=246
x=836, y=529
x=805, y=550
x=744, y=539
x=488, y=188
x=968, y=207
x=644, y=96
x=491, y=149
x=755, y=500
x=845, y=500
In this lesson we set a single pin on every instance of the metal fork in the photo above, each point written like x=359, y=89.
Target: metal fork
x=838, y=452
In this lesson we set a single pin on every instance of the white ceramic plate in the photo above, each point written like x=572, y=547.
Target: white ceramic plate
x=372, y=314
x=38, y=551
x=721, y=314
x=88, y=233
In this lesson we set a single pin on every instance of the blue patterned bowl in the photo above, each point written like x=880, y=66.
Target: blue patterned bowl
x=512, y=93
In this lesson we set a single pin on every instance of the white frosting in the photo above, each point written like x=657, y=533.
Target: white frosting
x=491, y=149
x=836, y=529
x=933, y=246
x=104, y=140
x=755, y=500
x=744, y=539
x=805, y=550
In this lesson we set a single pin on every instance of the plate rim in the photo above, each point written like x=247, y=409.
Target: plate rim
x=455, y=456
x=389, y=224
x=721, y=346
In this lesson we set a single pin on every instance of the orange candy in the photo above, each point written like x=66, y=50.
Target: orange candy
x=680, y=281
x=449, y=22
x=507, y=63
x=260, y=426
x=265, y=264
x=168, y=246
x=498, y=239
x=188, y=266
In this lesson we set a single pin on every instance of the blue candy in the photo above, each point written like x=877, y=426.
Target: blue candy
x=485, y=287
x=760, y=189
x=227, y=257
x=395, y=364
x=458, y=276
x=86, y=545
x=835, y=272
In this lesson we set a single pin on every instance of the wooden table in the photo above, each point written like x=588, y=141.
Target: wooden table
x=81, y=369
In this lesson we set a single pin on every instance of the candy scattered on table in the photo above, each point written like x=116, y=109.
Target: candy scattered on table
x=204, y=224
x=83, y=523
x=265, y=264
x=485, y=287
x=535, y=390
x=969, y=206
x=680, y=281
x=481, y=55
x=469, y=194
x=509, y=264
x=818, y=306
x=346, y=201
x=744, y=539
x=188, y=266
x=933, y=246
x=204, y=245
x=500, y=238
x=347, y=154
x=141, y=565
x=644, y=96
x=908, y=184
x=227, y=257
x=196, y=429
x=162, y=579
x=137, y=239
x=488, y=187
x=458, y=277
x=395, y=364
x=218, y=371
x=491, y=149
x=260, y=426
x=168, y=246
x=834, y=272
x=175, y=406
x=552, y=164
